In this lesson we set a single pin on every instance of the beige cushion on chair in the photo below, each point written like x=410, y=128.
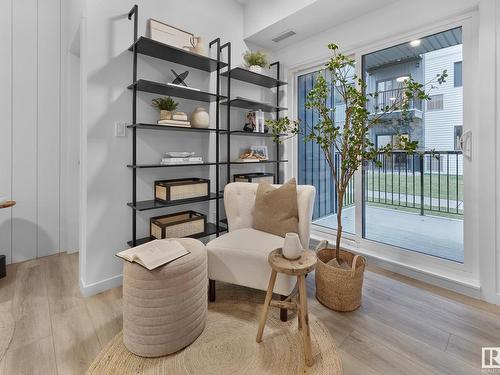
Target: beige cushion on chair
x=240, y=257
x=276, y=209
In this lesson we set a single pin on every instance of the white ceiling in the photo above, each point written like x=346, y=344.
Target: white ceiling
x=312, y=19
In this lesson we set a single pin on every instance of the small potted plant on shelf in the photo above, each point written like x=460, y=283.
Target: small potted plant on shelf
x=255, y=61
x=166, y=106
x=339, y=273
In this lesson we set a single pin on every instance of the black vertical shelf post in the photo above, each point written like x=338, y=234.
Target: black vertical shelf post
x=134, y=11
x=217, y=133
x=228, y=116
x=277, y=63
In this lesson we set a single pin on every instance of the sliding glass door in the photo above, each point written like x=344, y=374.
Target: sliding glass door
x=414, y=202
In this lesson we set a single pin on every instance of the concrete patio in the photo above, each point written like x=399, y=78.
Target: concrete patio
x=432, y=235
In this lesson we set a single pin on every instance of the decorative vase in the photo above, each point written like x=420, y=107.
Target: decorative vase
x=255, y=69
x=292, y=248
x=339, y=288
x=165, y=115
x=200, y=118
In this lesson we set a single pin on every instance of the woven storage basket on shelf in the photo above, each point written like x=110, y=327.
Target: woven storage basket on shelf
x=338, y=288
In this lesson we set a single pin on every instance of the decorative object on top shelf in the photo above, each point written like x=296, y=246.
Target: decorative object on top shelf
x=251, y=123
x=339, y=274
x=167, y=191
x=200, y=118
x=292, y=248
x=170, y=35
x=177, y=225
x=197, y=45
x=255, y=61
x=166, y=106
x=256, y=177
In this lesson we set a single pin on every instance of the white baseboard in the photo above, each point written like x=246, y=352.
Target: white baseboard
x=88, y=290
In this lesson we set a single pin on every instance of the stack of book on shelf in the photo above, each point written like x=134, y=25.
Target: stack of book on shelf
x=178, y=119
x=181, y=158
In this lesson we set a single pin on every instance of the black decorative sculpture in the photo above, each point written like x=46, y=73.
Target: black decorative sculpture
x=179, y=78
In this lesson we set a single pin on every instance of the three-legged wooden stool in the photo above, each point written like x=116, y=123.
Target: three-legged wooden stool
x=300, y=268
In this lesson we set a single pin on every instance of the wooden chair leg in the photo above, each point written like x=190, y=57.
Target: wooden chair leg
x=299, y=315
x=265, y=308
x=283, y=312
x=211, y=290
x=305, y=320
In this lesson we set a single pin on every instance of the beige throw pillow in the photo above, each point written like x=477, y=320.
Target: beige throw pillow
x=276, y=209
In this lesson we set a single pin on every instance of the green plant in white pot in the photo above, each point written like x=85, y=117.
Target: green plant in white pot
x=255, y=61
x=339, y=273
x=166, y=106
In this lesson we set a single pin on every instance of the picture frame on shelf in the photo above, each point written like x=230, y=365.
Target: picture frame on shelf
x=260, y=150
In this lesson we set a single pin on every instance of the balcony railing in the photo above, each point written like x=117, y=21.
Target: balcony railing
x=387, y=98
x=421, y=181
x=397, y=181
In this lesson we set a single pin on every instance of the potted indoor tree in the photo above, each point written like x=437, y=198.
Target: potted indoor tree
x=339, y=273
x=255, y=61
x=166, y=106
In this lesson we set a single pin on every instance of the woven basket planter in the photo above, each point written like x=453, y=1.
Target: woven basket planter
x=339, y=289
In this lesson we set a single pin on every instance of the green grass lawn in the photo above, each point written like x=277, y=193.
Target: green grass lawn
x=450, y=187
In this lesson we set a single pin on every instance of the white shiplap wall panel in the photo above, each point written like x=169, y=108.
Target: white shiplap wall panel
x=49, y=69
x=24, y=142
x=5, y=126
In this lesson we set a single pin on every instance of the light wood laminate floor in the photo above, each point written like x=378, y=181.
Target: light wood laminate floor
x=403, y=327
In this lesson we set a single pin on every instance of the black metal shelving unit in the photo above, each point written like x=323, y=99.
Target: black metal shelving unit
x=145, y=46
x=262, y=80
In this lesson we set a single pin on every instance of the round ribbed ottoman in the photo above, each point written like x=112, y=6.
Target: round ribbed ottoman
x=164, y=310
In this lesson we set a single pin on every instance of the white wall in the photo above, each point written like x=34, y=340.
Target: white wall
x=109, y=72
x=30, y=72
x=260, y=14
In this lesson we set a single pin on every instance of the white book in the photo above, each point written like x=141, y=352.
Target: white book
x=155, y=253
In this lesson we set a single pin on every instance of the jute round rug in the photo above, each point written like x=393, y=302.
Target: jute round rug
x=227, y=345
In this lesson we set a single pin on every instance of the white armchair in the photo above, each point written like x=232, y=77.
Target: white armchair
x=240, y=256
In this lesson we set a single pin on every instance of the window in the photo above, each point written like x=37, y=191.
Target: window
x=457, y=74
x=436, y=103
x=458, y=135
x=414, y=201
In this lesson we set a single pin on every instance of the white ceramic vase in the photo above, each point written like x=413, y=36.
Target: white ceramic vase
x=200, y=118
x=292, y=248
x=255, y=69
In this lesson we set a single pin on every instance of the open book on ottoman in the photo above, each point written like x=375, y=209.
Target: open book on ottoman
x=155, y=253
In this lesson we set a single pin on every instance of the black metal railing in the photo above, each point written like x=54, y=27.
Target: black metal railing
x=383, y=99
x=424, y=181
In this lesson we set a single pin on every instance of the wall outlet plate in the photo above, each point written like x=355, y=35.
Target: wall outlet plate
x=120, y=129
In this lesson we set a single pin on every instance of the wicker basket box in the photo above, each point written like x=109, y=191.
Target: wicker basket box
x=254, y=177
x=179, y=224
x=183, y=188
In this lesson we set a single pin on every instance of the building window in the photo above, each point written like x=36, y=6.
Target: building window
x=457, y=74
x=458, y=135
x=436, y=103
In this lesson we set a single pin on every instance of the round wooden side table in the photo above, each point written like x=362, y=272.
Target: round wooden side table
x=299, y=267
x=3, y=267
